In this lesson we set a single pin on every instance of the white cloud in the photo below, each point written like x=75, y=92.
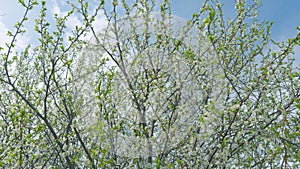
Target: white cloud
x=1, y=14
x=11, y=12
x=74, y=20
x=100, y=23
x=55, y=8
x=8, y=18
x=3, y=31
x=297, y=56
x=22, y=40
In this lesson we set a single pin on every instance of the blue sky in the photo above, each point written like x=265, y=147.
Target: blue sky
x=284, y=13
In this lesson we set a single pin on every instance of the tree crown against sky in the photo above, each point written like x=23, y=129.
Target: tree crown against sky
x=149, y=89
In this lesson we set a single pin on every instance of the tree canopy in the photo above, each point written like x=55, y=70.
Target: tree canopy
x=150, y=90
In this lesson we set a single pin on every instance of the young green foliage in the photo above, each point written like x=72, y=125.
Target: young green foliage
x=149, y=92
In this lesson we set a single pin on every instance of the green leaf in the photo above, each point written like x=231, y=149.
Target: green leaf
x=22, y=2
x=206, y=21
x=43, y=2
x=297, y=100
x=35, y=2
x=201, y=119
x=9, y=33
x=212, y=14
x=102, y=3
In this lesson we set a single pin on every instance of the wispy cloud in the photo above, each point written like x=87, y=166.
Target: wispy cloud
x=3, y=31
x=297, y=56
x=74, y=20
x=100, y=23
x=22, y=40
x=7, y=19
